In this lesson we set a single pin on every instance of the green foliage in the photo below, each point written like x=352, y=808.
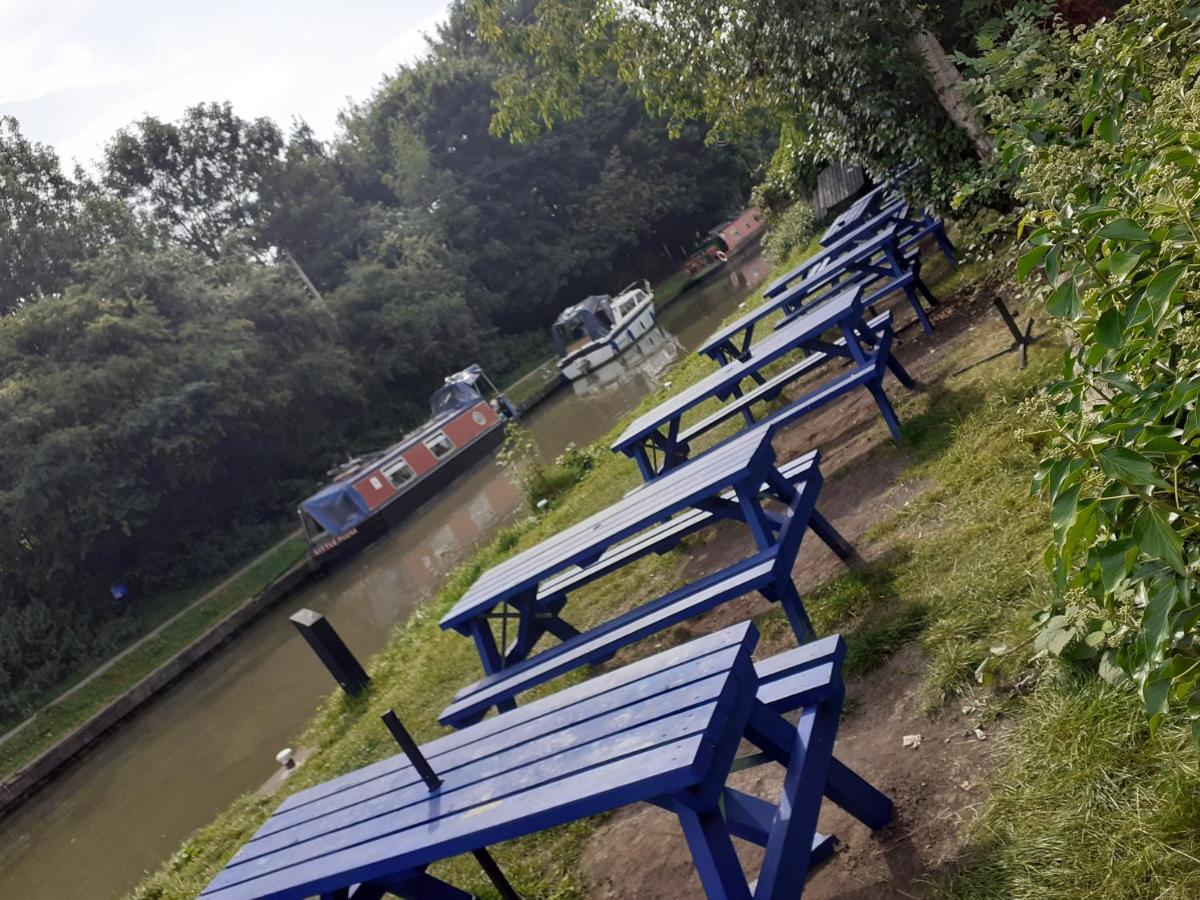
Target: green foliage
x=791, y=229
x=199, y=178
x=848, y=82
x=1102, y=129
x=543, y=483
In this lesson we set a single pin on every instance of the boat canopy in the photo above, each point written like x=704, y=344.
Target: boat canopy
x=458, y=393
x=337, y=508
x=592, y=317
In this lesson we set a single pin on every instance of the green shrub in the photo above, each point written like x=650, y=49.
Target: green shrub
x=792, y=229
x=1101, y=129
x=542, y=483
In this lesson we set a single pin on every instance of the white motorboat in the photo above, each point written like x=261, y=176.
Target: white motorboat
x=600, y=327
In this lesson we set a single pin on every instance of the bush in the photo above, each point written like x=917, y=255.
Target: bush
x=792, y=229
x=1101, y=129
x=542, y=484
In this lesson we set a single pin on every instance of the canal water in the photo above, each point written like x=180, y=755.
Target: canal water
x=124, y=807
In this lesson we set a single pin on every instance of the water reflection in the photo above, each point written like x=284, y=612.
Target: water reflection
x=641, y=363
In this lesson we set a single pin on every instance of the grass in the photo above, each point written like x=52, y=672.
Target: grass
x=1089, y=804
x=59, y=719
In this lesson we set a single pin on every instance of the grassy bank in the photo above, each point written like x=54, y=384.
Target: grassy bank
x=962, y=574
x=62, y=717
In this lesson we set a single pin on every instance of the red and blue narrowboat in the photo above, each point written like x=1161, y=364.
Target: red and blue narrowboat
x=370, y=495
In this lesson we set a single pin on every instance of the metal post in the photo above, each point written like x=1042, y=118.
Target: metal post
x=331, y=650
x=494, y=874
x=411, y=750
x=1021, y=341
x=490, y=868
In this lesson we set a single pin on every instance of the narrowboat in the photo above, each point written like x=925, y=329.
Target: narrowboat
x=367, y=496
x=599, y=327
x=725, y=242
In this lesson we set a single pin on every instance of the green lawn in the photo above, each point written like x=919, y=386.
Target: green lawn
x=1082, y=809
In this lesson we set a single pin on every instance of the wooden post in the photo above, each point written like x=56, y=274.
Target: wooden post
x=331, y=650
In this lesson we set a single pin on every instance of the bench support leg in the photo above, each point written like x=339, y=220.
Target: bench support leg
x=855, y=795
x=830, y=536
x=785, y=594
x=716, y=861
x=915, y=302
x=885, y=407
x=790, y=844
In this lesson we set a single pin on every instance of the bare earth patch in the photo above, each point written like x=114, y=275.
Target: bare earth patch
x=640, y=852
x=936, y=787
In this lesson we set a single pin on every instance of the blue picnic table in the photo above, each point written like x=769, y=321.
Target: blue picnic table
x=875, y=257
x=657, y=440
x=534, y=586
x=664, y=730
x=866, y=205
x=867, y=230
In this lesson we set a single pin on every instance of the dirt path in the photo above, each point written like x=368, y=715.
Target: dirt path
x=936, y=786
x=149, y=636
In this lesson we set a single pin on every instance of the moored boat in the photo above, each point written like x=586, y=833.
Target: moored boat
x=725, y=242
x=368, y=496
x=599, y=327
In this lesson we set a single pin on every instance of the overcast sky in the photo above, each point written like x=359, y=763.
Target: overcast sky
x=74, y=71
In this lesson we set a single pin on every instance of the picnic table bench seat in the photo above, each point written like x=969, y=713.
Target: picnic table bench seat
x=771, y=388
x=761, y=572
x=869, y=374
x=667, y=535
x=666, y=730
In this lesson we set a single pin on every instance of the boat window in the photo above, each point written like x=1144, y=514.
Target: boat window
x=439, y=445
x=627, y=306
x=399, y=473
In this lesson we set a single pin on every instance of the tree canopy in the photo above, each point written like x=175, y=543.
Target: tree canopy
x=169, y=386
x=860, y=82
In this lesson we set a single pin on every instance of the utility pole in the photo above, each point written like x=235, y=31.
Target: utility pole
x=308, y=283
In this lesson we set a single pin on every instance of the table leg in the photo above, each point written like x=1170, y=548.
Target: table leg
x=789, y=847
x=755, y=517
x=830, y=536
x=852, y=342
x=421, y=886
x=485, y=645
x=885, y=408
x=1021, y=340
x=785, y=594
x=716, y=861
x=643, y=463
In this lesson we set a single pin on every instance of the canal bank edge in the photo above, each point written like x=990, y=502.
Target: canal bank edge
x=19, y=786
x=16, y=788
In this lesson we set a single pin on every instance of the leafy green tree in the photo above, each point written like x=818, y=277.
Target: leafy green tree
x=1101, y=131
x=199, y=179
x=862, y=82
x=39, y=214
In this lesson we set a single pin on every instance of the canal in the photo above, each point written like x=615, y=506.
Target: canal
x=124, y=807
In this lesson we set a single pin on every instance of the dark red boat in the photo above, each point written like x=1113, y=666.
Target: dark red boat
x=369, y=496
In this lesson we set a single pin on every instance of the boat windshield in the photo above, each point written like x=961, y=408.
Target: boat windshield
x=627, y=304
x=451, y=398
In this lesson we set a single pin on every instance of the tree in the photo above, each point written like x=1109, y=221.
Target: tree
x=864, y=82
x=39, y=212
x=199, y=179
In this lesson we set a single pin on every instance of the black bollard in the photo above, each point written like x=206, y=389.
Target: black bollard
x=489, y=865
x=337, y=657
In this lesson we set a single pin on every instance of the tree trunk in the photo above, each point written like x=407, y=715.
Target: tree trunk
x=947, y=85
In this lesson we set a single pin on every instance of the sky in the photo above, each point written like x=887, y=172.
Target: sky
x=75, y=71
